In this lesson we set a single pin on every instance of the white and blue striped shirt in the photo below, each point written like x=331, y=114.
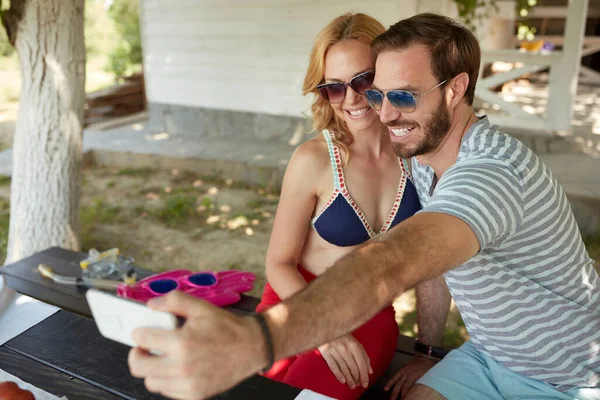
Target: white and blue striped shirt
x=530, y=298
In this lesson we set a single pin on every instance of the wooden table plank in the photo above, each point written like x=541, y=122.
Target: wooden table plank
x=50, y=379
x=71, y=343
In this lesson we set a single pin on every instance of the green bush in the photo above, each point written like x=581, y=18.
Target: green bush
x=128, y=52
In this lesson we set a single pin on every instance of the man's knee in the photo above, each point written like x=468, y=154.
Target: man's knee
x=422, y=392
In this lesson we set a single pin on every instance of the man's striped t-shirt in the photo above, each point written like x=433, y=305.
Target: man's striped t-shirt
x=530, y=298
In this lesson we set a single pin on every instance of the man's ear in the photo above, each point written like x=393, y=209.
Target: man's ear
x=456, y=89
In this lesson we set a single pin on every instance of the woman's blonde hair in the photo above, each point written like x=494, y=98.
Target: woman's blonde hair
x=345, y=27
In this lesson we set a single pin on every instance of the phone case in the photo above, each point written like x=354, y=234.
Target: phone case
x=117, y=317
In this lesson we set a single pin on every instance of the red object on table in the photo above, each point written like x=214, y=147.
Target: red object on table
x=11, y=391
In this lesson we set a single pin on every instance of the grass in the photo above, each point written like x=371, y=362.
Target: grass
x=135, y=172
x=177, y=210
x=100, y=212
x=5, y=180
x=95, y=215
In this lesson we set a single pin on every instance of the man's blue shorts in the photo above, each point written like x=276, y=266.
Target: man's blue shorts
x=466, y=374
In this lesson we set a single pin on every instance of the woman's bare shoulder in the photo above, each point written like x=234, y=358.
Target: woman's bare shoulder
x=312, y=154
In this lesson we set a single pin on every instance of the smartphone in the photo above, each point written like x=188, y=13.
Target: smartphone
x=117, y=317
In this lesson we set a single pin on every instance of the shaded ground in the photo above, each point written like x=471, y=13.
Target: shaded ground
x=169, y=220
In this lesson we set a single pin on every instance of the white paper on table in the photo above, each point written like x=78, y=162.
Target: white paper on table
x=39, y=394
x=19, y=313
x=310, y=395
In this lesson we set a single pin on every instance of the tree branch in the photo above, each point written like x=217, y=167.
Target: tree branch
x=11, y=18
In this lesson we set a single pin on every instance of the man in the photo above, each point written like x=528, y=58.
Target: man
x=494, y=221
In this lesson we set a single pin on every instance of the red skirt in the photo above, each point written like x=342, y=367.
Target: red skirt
x=309, y=370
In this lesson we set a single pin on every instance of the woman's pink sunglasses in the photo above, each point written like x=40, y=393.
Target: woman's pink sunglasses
x=220, y=288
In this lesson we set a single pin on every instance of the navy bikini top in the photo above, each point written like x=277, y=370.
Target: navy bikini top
x=342, y=223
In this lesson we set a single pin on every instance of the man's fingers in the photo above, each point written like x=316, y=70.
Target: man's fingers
x=171, y=388
x=406, y=386
x=333, y=366
x=143, y=364
x=394, y=379
x=161, y=340
x=396, y=391
x=180, y=304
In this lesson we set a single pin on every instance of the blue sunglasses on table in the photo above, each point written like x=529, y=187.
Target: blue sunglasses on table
x=401, y=99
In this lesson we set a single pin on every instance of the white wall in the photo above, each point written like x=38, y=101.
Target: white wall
x=242, y=55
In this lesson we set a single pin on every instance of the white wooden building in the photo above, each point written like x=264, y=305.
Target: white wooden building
x=217, y=64
x=235, y=67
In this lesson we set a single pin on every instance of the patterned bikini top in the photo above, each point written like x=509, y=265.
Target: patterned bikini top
x=341, y=222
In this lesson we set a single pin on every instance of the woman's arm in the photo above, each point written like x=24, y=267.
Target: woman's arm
x=292, y=221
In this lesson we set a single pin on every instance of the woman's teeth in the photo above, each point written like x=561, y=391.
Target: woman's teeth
x=358, y=113
x=401, y=132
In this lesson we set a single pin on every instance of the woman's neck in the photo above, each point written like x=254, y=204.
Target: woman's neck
x=374, y=141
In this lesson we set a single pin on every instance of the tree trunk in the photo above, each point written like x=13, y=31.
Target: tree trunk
x=47, y=149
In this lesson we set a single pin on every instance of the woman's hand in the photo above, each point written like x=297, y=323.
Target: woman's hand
x=348, y=361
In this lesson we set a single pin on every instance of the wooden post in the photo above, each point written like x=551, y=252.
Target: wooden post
x=563, y=77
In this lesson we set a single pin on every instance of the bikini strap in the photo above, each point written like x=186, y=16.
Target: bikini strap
x=336, y=160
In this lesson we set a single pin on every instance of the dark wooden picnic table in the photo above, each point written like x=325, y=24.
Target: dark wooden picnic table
x=66, y=355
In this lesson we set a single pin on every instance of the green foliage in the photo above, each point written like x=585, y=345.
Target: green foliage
x=101, y=36
x=6, y=49
x=177, y=209
x=525, y=32
x=128, y=52
x=470, y=11
x=4, y=180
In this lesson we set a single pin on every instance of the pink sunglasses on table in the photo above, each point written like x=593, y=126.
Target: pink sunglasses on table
x=219, y=288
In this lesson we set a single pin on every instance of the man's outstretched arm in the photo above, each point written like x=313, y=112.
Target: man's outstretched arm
x=215, y=349
x=366, y=280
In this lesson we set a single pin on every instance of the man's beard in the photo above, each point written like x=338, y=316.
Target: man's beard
x=434, y=131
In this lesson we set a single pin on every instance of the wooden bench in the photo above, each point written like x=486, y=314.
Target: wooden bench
x=70, y=342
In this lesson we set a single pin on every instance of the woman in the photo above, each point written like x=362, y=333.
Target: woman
x=340, y=189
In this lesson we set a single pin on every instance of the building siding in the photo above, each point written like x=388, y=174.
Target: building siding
x=240, y=55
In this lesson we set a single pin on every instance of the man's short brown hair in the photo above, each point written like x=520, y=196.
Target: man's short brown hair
x=454, y=48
